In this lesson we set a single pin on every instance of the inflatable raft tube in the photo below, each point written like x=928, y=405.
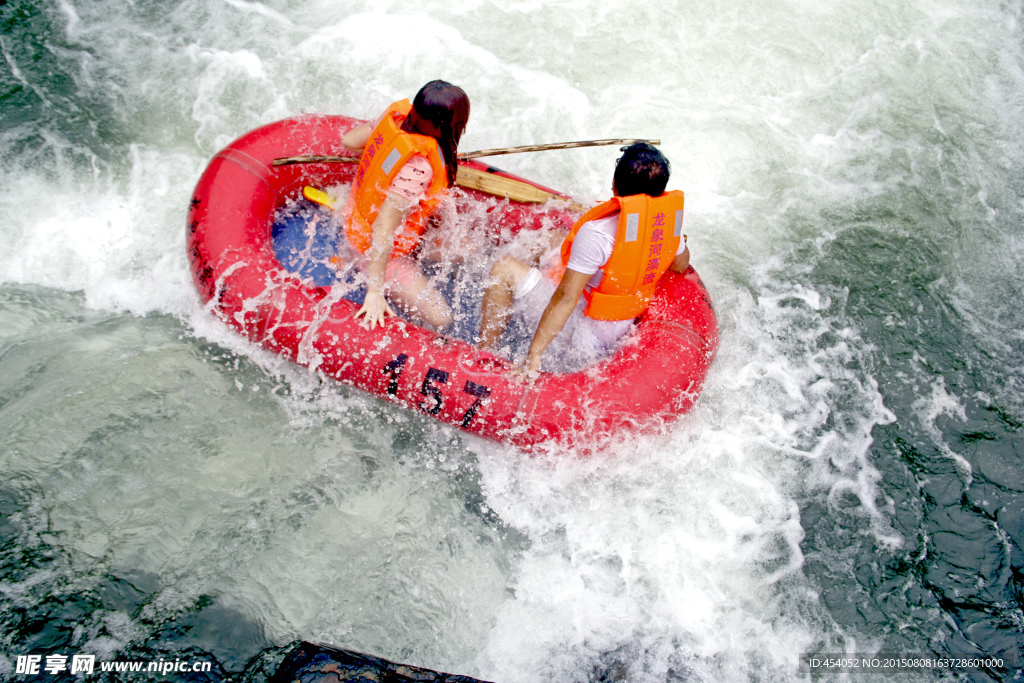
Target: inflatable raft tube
x=653, y=378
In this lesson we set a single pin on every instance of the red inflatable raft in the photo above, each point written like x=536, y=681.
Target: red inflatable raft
x=654, y=377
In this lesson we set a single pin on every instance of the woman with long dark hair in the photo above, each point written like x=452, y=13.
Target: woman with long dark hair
x=408, y=162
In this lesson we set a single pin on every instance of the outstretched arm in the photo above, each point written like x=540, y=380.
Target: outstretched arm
x=562, y=303
x=375, y=306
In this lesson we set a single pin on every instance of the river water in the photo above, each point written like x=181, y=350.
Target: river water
x=851, y=480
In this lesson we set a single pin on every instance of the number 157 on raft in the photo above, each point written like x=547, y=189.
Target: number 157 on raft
x=433, y=397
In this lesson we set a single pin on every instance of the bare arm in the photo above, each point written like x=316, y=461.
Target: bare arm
x=562, y=303
x=357, y=138
x=375, y=306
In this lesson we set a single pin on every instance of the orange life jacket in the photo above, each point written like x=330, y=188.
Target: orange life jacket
x=646, y=240
x=387, y=150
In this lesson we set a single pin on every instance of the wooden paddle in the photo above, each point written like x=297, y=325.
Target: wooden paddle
x=473, y=179
x=554, y=145
x=473, y=155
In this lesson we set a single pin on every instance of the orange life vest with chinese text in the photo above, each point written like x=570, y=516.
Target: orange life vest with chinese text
x=646, y=240
x=387, y=150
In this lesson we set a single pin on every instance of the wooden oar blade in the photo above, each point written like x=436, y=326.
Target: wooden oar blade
x=499, y=186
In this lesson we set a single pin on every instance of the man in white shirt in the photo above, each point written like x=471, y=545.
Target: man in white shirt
x=625, y=240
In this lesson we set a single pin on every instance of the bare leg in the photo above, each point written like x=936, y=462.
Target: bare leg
x=422, y=302
x=506, y=274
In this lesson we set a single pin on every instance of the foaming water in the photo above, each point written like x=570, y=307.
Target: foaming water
x=848, y=482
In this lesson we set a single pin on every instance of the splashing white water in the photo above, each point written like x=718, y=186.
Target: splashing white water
x=322, y=514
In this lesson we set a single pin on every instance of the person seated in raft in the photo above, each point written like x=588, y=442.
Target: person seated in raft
x=613, y=257
x=408, y=163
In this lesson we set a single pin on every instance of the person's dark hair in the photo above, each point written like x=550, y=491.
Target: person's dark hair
x=641, y=169
x=444, y=108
